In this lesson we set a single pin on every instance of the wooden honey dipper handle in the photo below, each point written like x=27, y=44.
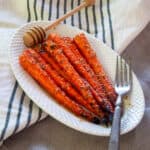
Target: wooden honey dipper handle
x=70, y=13
x=37, y=34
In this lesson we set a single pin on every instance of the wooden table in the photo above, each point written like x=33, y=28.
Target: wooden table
x=51, y=135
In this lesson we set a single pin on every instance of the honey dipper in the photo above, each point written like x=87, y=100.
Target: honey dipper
x=37, y=34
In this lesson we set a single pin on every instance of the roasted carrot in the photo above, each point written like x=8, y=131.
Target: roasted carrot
x=66, y=45
x=55, y=66
x=90, y=56
x=61, y=82
x=106, y=105
x=49, y=59
x=71, y=73
x=40, y=75
x=52, y=62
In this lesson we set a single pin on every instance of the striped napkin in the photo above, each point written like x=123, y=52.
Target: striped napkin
x=115, y=22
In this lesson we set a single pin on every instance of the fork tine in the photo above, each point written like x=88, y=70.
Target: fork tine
x=117, y=72
x=130, y=73
x=125, y=74
x=121, y=71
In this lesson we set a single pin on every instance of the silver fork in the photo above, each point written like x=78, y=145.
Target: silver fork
x=123, y=82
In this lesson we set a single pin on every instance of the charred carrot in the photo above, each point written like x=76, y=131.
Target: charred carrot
x=61, y=82
x=55, y=66
x=89, y=75
x=106, y=105
x=71, y=73
x=87, y=51
x=37, y=72
x=49, y=59
x=67, y=47
x=52, y=62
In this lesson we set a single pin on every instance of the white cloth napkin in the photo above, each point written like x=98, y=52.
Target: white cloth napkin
x=115, y=22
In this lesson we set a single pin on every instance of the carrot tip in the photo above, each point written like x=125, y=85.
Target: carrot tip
x=107, y=108
x=96, y=120
x=105, y=121
x=111, y=117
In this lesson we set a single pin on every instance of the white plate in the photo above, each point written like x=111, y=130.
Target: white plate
x=133, y=113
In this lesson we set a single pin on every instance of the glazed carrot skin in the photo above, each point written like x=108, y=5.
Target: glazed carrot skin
x=61, y=82
x=52, y=62
x=67, y=48
x=87, y=51
x=106, y=105
x=71, y=73
x=49, y=59
x=37, y=72
x=89, y=75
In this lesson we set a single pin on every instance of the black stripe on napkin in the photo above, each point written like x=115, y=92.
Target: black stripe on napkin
x=28, y=10
x=39, y=114
x=79, y=16
x=9, y=111
x=50, y=10
x=65, y=9
x=42, y=9
x=34, y=7
x=102, y=21
x=72, y=17
x=29, y=113
x=87, y=20
x=19, y=112
x=110, y=24
x=95, y=22
x=57, y=6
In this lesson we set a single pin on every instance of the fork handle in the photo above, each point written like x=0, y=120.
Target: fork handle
x=115, y=130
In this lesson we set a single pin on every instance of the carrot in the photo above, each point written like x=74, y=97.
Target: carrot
x=75, y=61
x=53, y=63
x=49, y=59
x=71, y=73
x=106, y=104
x=67, y=47
x=61, y=82
x=55, y=66
x=40, y=75
x=90, y=56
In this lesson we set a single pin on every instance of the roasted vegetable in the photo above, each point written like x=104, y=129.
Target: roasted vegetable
x=71, y=74
x=35, y=69
x=61, y=82
x=68, y=47
x=87, y=51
